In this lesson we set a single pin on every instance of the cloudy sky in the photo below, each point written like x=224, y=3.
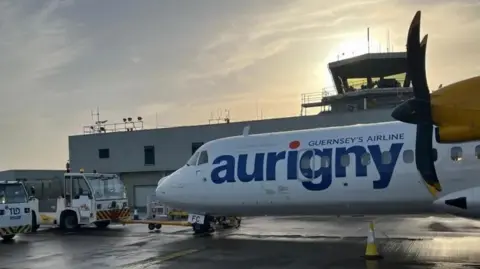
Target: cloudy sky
x=183, y=59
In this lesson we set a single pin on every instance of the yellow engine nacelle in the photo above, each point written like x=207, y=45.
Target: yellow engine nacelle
x=456, y=111
x=456, y=134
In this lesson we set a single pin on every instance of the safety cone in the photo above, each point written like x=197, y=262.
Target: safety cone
x=135, y=214
x=371, y=252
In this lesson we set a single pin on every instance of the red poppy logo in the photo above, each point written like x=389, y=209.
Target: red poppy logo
x=294, y=144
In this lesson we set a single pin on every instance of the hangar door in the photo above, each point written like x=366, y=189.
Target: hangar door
x=140, y=194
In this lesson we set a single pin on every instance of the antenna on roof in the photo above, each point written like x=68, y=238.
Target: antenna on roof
x=96, y=114
x=388, y=40
x=368, y=39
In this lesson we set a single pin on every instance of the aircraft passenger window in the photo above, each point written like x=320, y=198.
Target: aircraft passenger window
x=408, y=156
x=345, y=160
x=193, y=160
x=325, y=161
x=366, y=159
x=477, y=151
x=456, y=154
x=305, y=162
x=386, y=157
x=203, y=158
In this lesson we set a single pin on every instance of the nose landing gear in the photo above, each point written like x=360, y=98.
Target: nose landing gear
x=211, y=222
x=206, y=227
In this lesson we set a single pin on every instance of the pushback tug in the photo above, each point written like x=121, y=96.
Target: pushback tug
x=79, y=199
x=15, y=209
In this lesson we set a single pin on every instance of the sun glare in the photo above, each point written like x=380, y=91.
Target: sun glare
x=348, y=48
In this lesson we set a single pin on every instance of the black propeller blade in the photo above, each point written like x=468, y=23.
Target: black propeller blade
x=418, y=110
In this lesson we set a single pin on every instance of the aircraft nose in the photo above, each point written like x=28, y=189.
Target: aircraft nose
x=161, y=191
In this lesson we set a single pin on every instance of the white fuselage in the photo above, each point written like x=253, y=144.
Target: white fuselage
x=360, y=169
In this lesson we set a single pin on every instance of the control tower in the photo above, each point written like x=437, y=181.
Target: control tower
x=368, y=81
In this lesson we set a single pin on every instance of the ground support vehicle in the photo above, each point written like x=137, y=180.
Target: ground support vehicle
x=15, y=212
x=81, y=199
x=158, y=215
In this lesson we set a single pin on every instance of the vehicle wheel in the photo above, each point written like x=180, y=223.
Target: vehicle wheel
x=158, y=226
x=69, y=221
x=35, y=226
x=151, y=226
x=8, y=237
x=102, y=224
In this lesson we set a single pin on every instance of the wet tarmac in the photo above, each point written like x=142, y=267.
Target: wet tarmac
x=267, y=242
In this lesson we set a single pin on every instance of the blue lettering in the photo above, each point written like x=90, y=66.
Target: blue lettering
x=257, y=173
x=324, y=171
x=292, y=164
x=229, y=169
x=384, y=169
x=340, y=170
x=272, y=159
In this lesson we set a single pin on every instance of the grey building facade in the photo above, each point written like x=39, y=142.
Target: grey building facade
x=30, y=174
x=143, y=157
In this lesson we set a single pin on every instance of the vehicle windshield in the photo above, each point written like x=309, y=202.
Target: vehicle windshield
x=12, y=194
x=106, y=187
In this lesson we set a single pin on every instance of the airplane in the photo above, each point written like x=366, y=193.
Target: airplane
x=426, y=161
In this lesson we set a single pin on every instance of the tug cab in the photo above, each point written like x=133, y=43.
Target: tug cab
x=15, y=212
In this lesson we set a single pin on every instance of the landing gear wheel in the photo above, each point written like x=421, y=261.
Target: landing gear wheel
x=158, y=226
x=151, y=226
x=8, y=237
x=102, y=224
x=230, y=222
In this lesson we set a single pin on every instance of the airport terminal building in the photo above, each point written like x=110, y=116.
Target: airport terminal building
x=367, y=88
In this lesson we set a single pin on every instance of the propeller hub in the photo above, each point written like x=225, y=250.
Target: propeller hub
x=413, y=111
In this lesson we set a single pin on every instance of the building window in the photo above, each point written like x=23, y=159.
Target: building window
x=149, y=155
x=104, y=153
x=195, y=146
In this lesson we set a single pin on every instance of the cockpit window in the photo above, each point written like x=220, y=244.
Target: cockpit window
x=203, y=158
x=193, y=160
